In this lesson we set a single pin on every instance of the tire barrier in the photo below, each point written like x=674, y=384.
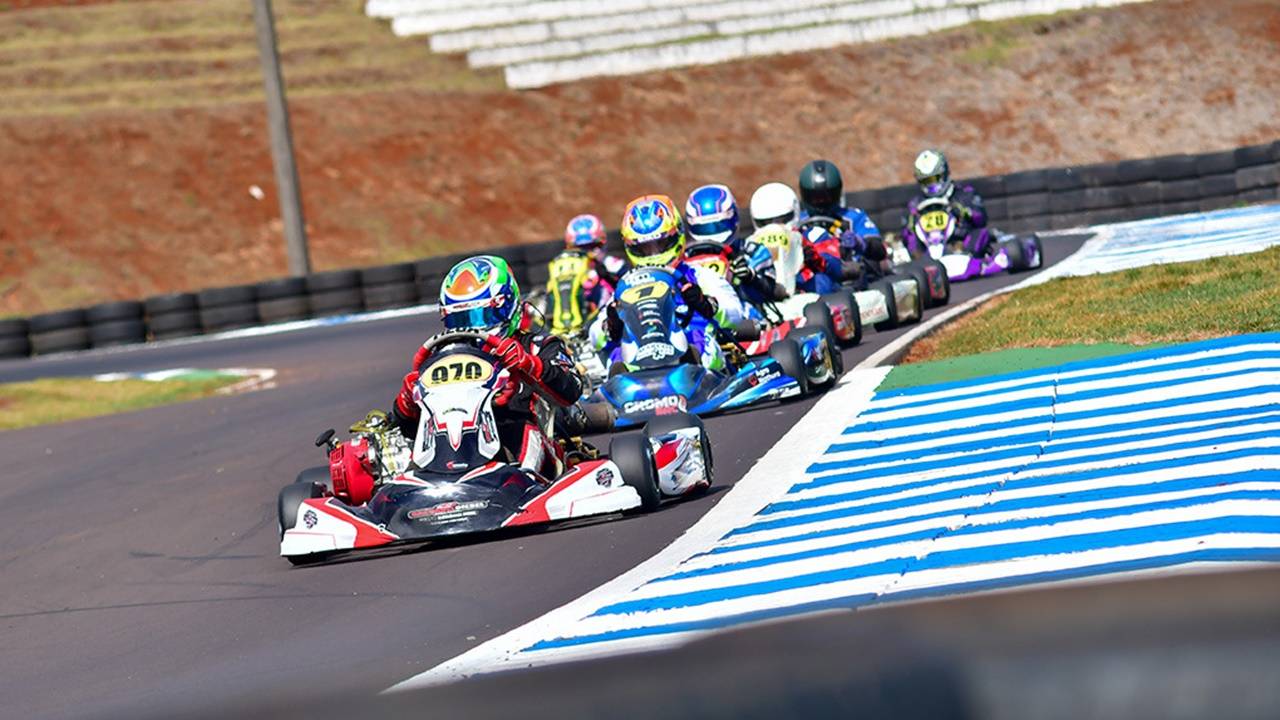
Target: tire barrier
x=1037, y=199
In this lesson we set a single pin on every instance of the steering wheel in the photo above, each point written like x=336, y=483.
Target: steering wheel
x=453, y=337
x=824, y=221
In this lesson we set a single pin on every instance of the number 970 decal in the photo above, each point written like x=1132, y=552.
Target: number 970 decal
x=460, y=368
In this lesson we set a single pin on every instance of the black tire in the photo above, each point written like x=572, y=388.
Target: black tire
x=318, y=475
x=120, y=332
x=397, y=274
x=845, y=297
x=60, y=320
x=171, y=322
x=113, y=312
x=229, y=317
x=940, y=271
x=226, y=296
x=634, y=458
x=332, y=280
x=1017, y=255
x=922, y=281
x=885, y=288
x=170, y=303
x=818, y=315
x=15, y=346
x=678, y=421
x=14, y=327
x=284, y=309
x=337, y=302
x=175, y=333
x=599, y=417
x=384, y=297
x=67, y=339
x=788, y=356
x=1035, y=239
x=282, y=288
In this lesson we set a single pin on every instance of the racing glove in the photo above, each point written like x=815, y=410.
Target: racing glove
x=962, y=210
x=698, y=300
x=405, y=407
x=743, y=274
x=512, y=355
x=812, y=260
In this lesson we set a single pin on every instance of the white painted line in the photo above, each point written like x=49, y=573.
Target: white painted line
x=761, y=486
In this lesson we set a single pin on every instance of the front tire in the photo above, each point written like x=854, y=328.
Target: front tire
x=788, y=356
x=634, y=458
x=1017, y=255
x=680, y=421
x=885, y=288
x=845, y=298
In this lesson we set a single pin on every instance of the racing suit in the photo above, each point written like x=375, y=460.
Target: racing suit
x=703, y=319
x=861, y=246
x=605, y=271
x=823, y=269
x=971, y=222
x=541, y=368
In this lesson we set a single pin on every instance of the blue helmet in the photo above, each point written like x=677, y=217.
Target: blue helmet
x=711, y=216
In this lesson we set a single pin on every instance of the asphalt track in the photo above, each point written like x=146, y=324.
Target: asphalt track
x=138, y=553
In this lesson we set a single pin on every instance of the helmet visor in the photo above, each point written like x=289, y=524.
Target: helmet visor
x=478, y=315
x=784, y=219
x=714, y=231
x=933, y=185
x=655, y=247
x=821, y=197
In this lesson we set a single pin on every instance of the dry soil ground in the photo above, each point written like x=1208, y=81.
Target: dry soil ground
x=126, y=175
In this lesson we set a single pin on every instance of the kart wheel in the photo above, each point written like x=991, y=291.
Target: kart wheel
x=318, y=475
x=291, y=498
x=1017, y=255
x=885, y=288
x=844, y=298
x=634, y=458
x=818, y=315
x=599, y=417
x=1038, y=247
x=679, y=421
x=922, y=283
x=941, y=271
x=788, y=356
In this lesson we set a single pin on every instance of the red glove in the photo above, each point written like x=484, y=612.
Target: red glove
x=405, y=405
x=512, y=355
x=813, y=260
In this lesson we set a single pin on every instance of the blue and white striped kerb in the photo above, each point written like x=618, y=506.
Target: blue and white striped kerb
x=1147, y=461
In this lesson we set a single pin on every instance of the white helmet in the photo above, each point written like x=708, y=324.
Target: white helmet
x=774, y=203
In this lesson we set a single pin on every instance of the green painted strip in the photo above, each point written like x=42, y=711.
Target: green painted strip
x=1000, y=361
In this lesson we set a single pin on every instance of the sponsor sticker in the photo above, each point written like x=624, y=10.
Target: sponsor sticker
x=310, y=519
x=448, y=510
x=656, y=351
x=604, y=477
x=661, y=406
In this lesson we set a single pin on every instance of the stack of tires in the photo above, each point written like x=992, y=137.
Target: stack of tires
x=427, y=276
x=389, y=286
x=228, y=308
x=13, y=338
x=283, y=300
x=59, y=331
x=172, y=315
x=336, y=292
x=116, y=323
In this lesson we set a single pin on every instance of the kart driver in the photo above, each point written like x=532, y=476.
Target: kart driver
x=585, y=234
x=480, y=294
x=933, y=174
x=653, y=235
x=861, y=247
x=711, y=217
x=776, y=204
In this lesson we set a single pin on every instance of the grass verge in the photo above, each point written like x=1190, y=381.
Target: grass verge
x=1180, y=302
x=55, y=400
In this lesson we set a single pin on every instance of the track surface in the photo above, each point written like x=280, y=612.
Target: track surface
x=139, y=557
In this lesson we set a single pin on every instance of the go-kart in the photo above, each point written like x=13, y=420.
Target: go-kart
x=569, y=314
x=931, y=232
x=837, y=311
x=455, y=476
x=884, y=304
x=655, y=372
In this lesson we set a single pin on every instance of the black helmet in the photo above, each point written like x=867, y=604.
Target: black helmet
x=821, y=188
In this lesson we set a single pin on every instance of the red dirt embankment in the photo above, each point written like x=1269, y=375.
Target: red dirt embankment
x=125, y=204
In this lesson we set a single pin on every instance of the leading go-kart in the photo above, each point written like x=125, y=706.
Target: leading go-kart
x=932, y=231
x=456, y=477
x=656, y=372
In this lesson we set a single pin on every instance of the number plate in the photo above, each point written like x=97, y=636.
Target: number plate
x=714, y=263
x=934, y=221
x=456, y=369
x=647, y=291
x=774, y=236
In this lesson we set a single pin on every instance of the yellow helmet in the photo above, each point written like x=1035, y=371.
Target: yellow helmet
x=652, y=232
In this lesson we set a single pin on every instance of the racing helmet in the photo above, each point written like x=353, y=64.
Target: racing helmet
x=933, y=173
x=481, y=294
x=821, y=188
x=584, y=232
x=774, y=203
x=711, y=216
x=652, y=233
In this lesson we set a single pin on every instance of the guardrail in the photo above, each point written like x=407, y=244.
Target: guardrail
x=1042, y=199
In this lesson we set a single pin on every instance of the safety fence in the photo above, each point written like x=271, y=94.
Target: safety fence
x=1043, y=199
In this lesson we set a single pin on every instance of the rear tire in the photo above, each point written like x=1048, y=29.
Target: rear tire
x=946, y=283
x=922, y=282
x=634, y=458
x=788, y=356
x=669, y=423
x=845, y=297
x=1039, y=246
x=1017, y=255
x=818, y=314
x=599, y=418
x=885, y=288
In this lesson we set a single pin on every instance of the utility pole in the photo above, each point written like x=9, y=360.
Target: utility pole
x=295, y=231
